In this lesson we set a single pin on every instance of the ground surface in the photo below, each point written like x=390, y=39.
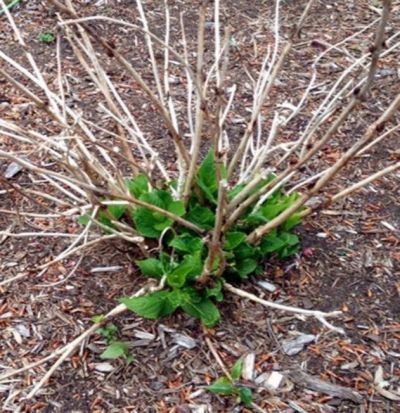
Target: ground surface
x=350, y=261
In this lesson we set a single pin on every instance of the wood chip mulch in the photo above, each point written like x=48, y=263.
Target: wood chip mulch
x=350, y=260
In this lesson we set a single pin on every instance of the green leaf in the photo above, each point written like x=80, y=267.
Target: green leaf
x=177, y=278
x=245, y=396
x=191, y=266
x=84, y=219
x=205, y=310
x=289, y=239
x=245, y=250
x=246, y=266
x=160, y=226
x=245, y=259
x=236, y=370
x=206, y=177
x=277, y=203
x=151, y=267
x=187, y=243
x=222, y=386
x=216, y=263
x=291, y=222
x=166, y=262
x=138, y=185
x=201, y=216
x=192, y=294
x=144, y=223
x=215, y=291
x=288, y=251
x=175, y=298
x=271, y=243
x=152, y=306
x=256, y=219
x=157, y=197
x=104, y=219
x=129, y=359
x=98, y=318
x=177, y=208
x=151, y=224
x=117, y=211
x=270, y=211
x=115, y=350
x=109, y=332
x=233, y=239
x=195, y=263
x=47, y=37
x=235, y=191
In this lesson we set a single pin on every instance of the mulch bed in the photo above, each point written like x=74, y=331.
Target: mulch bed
x=350, y=260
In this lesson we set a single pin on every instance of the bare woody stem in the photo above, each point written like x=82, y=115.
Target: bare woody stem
x=160, y=106
x=358, y=96
x=250, y=127
x=98, y=77
x=319, y=315
x=355, y=187
x=351, y=189
x=110, y=194
x=258, y=233
x=215, y=244
x=200, y=106
x=64, y=352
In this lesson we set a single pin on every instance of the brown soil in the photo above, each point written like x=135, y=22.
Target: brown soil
x=350, y=258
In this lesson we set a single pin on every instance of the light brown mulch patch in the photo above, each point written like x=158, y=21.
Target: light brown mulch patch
x=350, y=260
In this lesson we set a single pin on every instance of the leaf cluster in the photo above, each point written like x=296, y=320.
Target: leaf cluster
x=183, y=254
x=229, y=386
x=115, y=348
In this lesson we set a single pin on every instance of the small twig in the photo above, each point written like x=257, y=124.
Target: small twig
x=264, y=93
x=258, y=408
x=366, y=181
x=217, y=357
x=200, y=108
x=67, y=277
x=349, y=155
x=66, y=253
x=38, y=234
x=10, y=280
x=106, y=193
x=9, y=6
x=63, y=352
x=319, y=315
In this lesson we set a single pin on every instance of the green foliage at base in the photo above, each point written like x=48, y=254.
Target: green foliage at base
x=47, y=37
x=229, y=386
x=183, y=255
x=115, y=348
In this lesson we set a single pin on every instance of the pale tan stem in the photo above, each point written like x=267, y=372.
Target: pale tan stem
x=215, y=245
x=258, y=233
x=200, y=108
x=378, y=46
x=99, y=77
x=159, y=105
x=68, y=349
x=100, y=191
x=366, y=181
x=319, y=315
x=217, y=357
x=276, y=70
x=353, y=188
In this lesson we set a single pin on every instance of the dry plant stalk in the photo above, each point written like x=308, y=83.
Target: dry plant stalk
x=89, y=176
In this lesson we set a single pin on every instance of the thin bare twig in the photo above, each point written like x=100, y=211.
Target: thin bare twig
x=64, y=352
x=319, y=315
